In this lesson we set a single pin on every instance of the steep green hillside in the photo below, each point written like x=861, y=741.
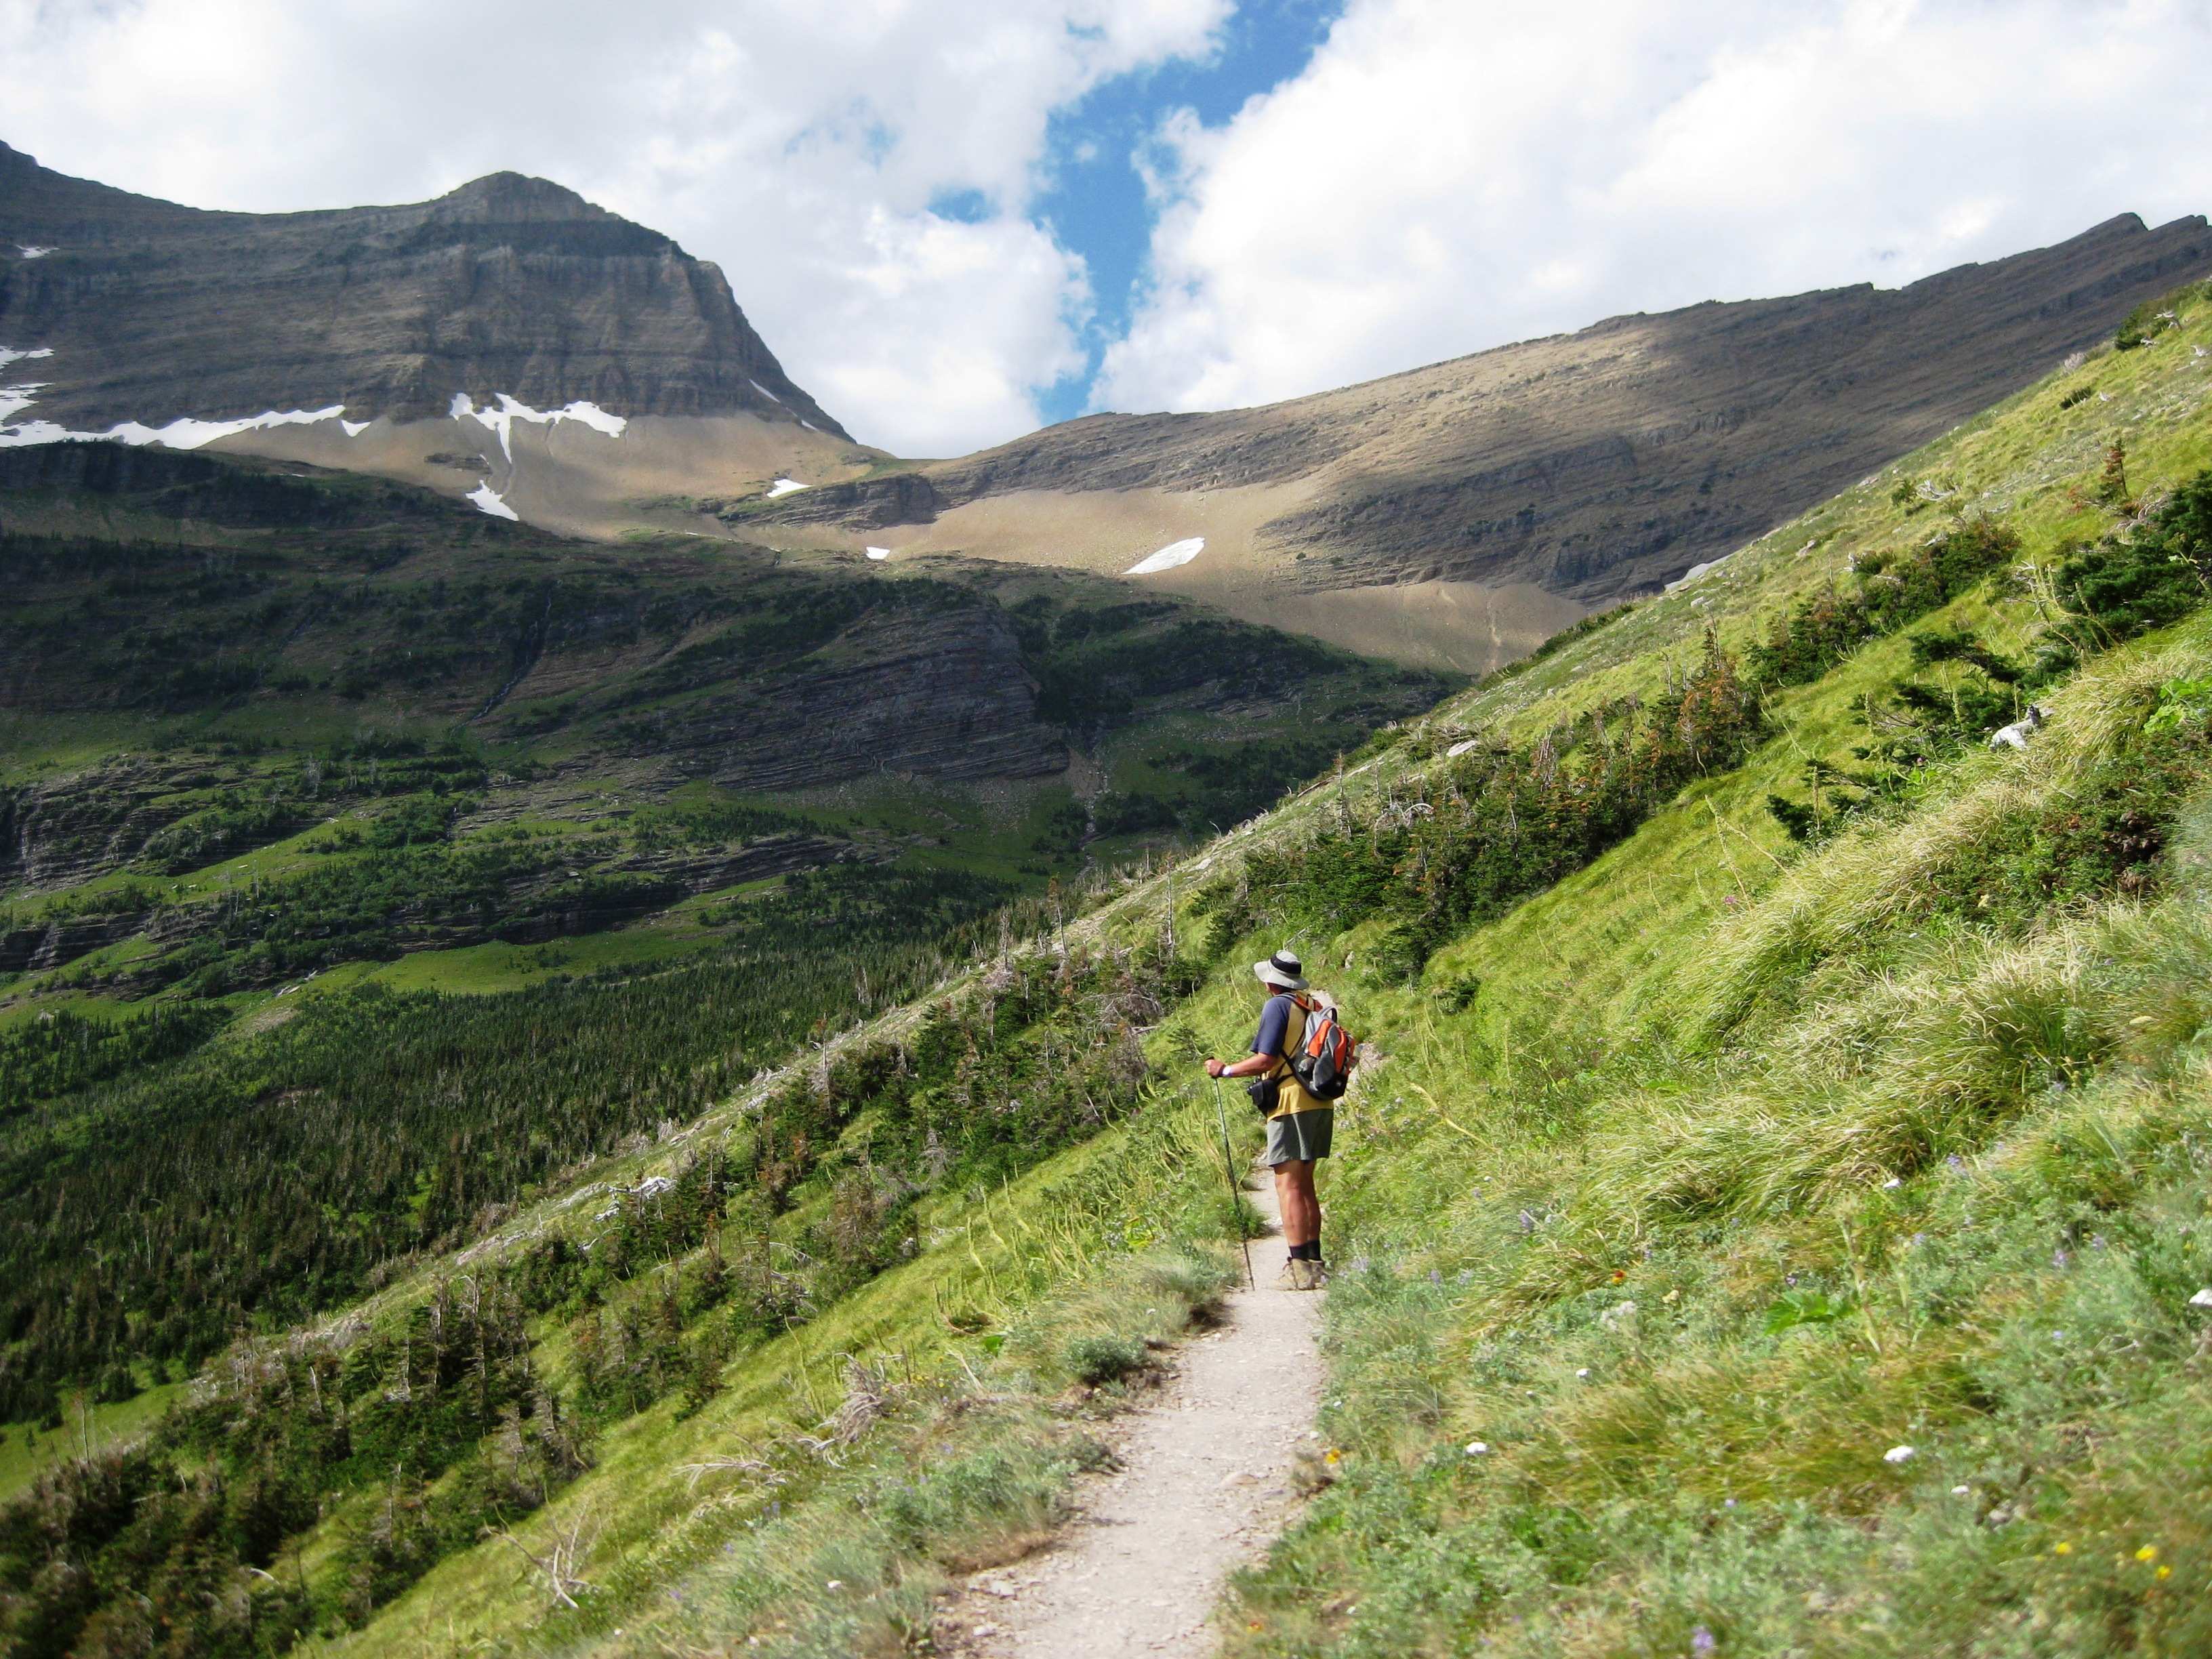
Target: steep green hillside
x=290, y=759
x=1772, y=1220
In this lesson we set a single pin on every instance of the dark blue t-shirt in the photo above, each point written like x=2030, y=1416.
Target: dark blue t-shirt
x=1275, y=1024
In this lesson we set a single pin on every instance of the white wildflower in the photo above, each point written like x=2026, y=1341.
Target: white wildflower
x=1897, y=1455
x=1477, y=1448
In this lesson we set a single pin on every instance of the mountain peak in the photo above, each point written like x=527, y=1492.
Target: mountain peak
x=517, y=197
x=509, y=284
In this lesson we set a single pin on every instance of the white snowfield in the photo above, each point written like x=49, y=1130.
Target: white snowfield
x=763, y=390
x=783, y=487
x=8, y=356
x=487, y=500
x=1692, y=573
x=1174, y=554
x=879, y=552
x=182, y=434
x=501, y=417
x=30, y=252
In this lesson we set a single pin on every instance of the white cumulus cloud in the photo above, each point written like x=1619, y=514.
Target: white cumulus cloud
x=1445, y=177
x=807, y=149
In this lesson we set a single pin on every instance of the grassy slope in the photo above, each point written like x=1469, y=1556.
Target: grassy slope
x=1584, y=1138
x=1560, y=1062
x=1578, y=1139
x=1574, y=1054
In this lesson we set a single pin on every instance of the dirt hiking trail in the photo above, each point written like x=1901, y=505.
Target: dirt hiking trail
x=1204, y=1484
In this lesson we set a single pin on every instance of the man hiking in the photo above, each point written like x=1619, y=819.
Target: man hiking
x=1300, y=1126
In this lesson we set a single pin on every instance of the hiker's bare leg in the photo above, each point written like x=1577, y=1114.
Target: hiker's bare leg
x=1295, y=1199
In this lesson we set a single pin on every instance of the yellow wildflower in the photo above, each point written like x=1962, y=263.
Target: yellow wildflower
x=2061, y=1548
x=1332, y=1456
x=2147, y=1552
x=2166, y=1572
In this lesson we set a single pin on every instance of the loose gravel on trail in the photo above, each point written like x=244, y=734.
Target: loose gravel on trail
x=1205, y=1483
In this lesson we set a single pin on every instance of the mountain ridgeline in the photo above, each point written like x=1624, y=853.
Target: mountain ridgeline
x=1451, y=516
x=155, y=312
x=1596, y=465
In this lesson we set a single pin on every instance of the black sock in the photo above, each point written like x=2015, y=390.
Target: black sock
x=1306, y=1252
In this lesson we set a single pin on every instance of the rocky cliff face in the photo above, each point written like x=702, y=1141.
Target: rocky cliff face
x=155, y=312
x=1593, y=465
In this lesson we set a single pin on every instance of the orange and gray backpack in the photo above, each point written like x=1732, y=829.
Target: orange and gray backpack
x=1322, y=1063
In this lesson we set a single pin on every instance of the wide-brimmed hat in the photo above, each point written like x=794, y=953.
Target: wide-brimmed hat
x=1283, y=969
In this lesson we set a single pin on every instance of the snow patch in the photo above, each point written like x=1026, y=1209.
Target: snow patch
x=1692, y=573
x=783, y=487
x=879, y=552
x=1174, y=554
x=189, y=434
x=811, y=427
x=8, y=356
x=16, y=398
x=487, y=500
x=185, y=433
x=353, y=428
x=30, y=252
x=763, y=390
x=500, y=418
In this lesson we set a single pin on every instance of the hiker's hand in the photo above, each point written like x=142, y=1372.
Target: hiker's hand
x=1214, y=1068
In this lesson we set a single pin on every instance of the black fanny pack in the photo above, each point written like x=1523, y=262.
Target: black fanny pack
x=1267, y=1094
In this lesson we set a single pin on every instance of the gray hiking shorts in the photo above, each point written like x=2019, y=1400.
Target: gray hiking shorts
x=1301, y=1137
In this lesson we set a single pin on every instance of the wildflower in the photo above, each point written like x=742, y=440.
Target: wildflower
x=1619, y=1274
x=1892, y=1182
x=834, y=1584
x=1477, y=1448
x=1332, y=1457
x=1960, y=1492
x=2061, y=1548
x=1897, y=1455
x=1582, y=1371
x=2147, y=1552
x=2164, y=1572
x=1701, y=1640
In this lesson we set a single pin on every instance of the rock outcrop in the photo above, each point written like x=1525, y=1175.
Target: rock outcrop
x=155, y=312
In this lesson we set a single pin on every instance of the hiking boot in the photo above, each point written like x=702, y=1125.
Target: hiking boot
x=1293, y=1276
x=1316, y=1275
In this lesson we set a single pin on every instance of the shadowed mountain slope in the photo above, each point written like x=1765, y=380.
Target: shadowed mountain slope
x=507, y=284
x=1592, y=466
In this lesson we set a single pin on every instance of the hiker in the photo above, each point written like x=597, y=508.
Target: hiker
x=1300, y=1125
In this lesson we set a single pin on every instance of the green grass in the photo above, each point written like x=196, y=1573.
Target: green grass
x=1686, y=1191
x=477, y=970
x=1701, y=1182
x=28, y=1449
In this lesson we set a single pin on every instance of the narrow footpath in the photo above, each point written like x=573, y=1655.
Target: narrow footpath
x=1205, y=1484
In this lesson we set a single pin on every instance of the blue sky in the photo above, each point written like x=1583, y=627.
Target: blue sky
x=1096, y=204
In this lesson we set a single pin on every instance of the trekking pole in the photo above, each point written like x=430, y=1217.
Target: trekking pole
x=1236, y=1193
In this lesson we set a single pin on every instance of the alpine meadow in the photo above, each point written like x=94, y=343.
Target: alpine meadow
x=592, y=1062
